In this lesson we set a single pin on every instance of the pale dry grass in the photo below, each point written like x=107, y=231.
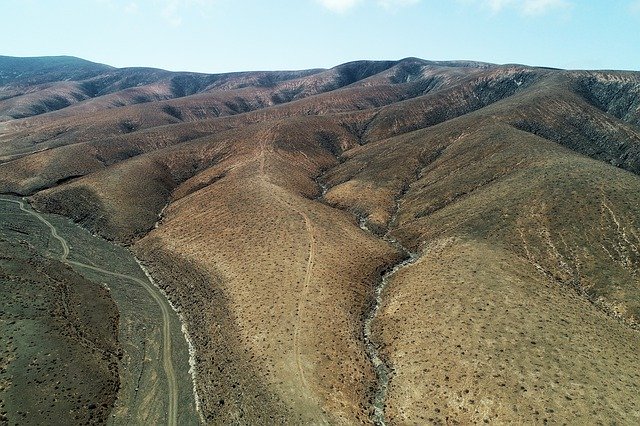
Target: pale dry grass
x=297, y=276
x=477, y=334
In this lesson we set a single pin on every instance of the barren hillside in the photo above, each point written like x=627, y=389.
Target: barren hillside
x=400, y=242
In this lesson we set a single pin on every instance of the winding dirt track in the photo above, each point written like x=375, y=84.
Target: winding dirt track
x=308, y=274
x=303, y=296
x=172, y=383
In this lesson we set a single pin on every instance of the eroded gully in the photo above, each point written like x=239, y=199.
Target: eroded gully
x=381, y=367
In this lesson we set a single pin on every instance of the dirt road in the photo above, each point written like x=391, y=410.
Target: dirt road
x=172, y=384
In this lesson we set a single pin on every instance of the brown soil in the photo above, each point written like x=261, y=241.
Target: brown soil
x=517, y=185
x=273, y=268
x=476, y=334
x=59, y=340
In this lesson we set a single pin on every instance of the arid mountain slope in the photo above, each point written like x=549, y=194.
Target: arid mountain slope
x=269, y=206
x=59, y=338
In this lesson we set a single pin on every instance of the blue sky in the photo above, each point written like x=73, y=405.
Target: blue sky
x=238, y=35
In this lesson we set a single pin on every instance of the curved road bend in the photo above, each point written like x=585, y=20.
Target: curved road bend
x=172, y=383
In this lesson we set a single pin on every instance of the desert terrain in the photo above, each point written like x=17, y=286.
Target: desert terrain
x=386, y=242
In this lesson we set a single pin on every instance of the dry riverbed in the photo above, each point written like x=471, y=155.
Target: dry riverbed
x=155, y=384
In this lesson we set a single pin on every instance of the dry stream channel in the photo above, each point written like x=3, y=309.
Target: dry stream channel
x=382, y=368
x=156, y=386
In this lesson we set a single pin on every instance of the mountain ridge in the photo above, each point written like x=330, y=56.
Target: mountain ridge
x=284, y=199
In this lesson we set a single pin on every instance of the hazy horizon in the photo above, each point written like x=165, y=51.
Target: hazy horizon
x=214, y=36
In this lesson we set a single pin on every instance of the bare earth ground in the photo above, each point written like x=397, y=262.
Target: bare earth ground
x=475, y=334
x=517, y=186
x=144, y=393
x=278, y=265
x=59, y=343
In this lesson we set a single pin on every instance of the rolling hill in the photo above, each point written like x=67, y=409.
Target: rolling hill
x=399, y=242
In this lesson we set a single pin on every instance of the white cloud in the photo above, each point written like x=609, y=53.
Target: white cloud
x=526, y=7
x=106, y=3
x=339, y=6
x=131, y=8
x=539, y=7
x=392, y=4
x=173, y=10
x=343, y=6
x=634, y=6
x=498, y=5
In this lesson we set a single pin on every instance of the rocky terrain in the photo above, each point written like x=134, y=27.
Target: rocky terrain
x=289, y=203
x=59, y=338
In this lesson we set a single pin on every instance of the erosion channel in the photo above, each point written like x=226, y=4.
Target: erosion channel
x=382, y=368
x=156, y=386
